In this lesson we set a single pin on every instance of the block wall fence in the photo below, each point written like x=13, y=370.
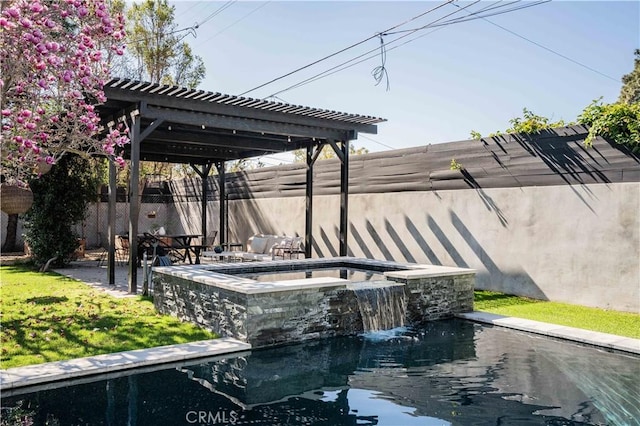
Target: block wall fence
x=540, y=216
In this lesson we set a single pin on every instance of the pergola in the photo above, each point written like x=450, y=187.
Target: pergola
x=204, y=129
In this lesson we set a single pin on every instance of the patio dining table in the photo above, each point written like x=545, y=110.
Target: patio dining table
x=180, y=242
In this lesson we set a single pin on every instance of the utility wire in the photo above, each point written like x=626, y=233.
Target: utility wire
x=192, y=29
x=235, y=22
x=548, y=49
x=343, y=50
x=436, y=26
x=196, y=4
x=369, y=51
x=217, y=12
x=378, y=142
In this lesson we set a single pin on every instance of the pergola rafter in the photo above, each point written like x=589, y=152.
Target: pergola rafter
x=178, y=125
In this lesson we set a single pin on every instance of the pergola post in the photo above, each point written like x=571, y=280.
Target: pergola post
x=134, y=202
x=344, y=198
x=204, y=173
x=309, y=203
x=220, y=165
x=111, y=227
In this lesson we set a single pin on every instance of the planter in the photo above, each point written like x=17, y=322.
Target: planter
x=15, y=200
x=80, y=251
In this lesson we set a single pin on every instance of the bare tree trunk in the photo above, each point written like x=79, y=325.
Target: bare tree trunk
x=12, y=229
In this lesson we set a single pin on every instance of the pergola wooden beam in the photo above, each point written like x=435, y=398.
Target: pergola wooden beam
x=315, y=118
x=179, y=125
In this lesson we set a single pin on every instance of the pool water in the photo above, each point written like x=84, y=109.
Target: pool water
x=450, y=372
x=352, y=274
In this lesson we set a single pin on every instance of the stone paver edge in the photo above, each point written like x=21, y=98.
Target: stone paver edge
x=37, y=374
x=593, y=338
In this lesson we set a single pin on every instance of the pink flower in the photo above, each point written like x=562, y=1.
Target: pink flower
x=36, y=7
x=12, y=12
x=49, y=159
x=26, y=22
x=67, y=75
x=6, y=112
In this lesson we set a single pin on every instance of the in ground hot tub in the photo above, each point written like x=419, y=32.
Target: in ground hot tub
x=310, y=298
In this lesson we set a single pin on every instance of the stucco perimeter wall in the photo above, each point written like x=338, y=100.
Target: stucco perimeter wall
x=578, y=244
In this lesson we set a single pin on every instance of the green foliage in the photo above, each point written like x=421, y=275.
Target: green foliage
x=531, y=123
x=455, y=165
x=60, y=200
x=630, y=91
x=612, y=322
x=617, y=122
x=47, y=317
x=157, y=47
x=327, y=153
x=527, y=124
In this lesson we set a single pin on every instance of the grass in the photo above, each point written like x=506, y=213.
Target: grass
x=613, y=322
x=48, y=317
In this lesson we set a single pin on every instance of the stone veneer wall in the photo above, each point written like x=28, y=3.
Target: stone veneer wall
x=213, y=308
x=278, y=317
x=436, y=298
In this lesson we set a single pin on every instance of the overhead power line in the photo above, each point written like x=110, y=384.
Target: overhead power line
x=235, y=22
x=218, y=11
x=378, y=142
x=548, y=49
x=434, y=24
x=315, y=77
x=343, y=50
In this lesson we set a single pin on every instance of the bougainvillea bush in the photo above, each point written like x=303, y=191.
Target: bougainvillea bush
x=54, y=59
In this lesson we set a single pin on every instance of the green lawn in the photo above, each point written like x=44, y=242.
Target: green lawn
x=620, y=323
x=48, y=317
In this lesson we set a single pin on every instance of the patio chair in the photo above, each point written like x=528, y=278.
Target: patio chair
x=122, y=250
x=288, y=247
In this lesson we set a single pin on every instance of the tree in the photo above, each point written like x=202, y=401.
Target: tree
x=156, y=46
x=630, y=91
x=300, y=155
x=54, y=60
x=56, y=209
x=53, y=71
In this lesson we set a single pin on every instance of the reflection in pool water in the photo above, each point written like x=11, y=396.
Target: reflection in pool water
x=352, y=274
x=449, y=372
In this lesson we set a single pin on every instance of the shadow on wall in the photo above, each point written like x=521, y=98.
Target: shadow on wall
x=390, y=240
x=492, y=278
x=245, y=216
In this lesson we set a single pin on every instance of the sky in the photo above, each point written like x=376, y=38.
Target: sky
x=553, y=59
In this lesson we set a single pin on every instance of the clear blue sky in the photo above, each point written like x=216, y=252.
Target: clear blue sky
x=471, y=75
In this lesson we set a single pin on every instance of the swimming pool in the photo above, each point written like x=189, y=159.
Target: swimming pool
x=445, y=373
